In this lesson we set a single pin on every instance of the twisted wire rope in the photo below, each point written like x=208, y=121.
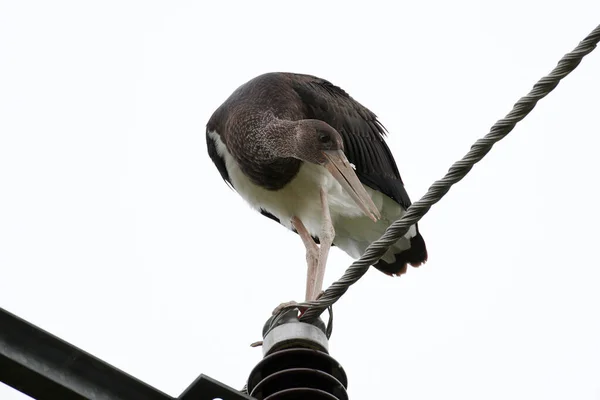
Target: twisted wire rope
x=456, y=172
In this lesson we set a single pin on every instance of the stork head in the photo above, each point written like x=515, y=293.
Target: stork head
x=318, y=143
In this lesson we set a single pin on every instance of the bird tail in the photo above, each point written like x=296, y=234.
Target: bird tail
x=415, y=256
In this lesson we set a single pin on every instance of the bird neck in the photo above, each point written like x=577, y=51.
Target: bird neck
x=263, y=146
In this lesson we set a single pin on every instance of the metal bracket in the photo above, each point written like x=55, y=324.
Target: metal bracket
x=46, y=367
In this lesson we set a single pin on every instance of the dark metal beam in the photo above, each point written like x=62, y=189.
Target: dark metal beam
x=46, y=367
x=206, y=388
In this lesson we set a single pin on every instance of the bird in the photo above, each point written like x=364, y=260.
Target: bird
x=304, y=153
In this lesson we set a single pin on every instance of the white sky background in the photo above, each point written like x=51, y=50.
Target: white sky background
x=118, y=235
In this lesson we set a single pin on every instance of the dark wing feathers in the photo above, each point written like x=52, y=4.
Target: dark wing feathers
x=365, y=147
x=361, y=132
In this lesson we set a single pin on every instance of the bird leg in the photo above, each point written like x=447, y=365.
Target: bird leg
x=312, y=256
x=316, y=257
x=312, y=259
x=326, y=239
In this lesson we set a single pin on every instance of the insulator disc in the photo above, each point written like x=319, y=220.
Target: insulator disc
x=298, y=372
x=299, y=378
x=301, y=394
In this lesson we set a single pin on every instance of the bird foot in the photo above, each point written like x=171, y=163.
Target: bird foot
x=282, y=306
x=293, y=303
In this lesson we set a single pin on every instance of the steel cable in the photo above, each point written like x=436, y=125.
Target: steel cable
x=456, y=172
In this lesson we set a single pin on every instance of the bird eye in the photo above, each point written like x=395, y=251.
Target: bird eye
x=324, y=138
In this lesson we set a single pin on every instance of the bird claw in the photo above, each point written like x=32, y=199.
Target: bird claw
x=291, y=304
x=283, y=306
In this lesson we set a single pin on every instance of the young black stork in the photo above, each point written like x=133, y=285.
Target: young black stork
x=305, y=154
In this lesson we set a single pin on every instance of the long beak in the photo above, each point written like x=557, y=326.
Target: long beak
x=337, y=164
